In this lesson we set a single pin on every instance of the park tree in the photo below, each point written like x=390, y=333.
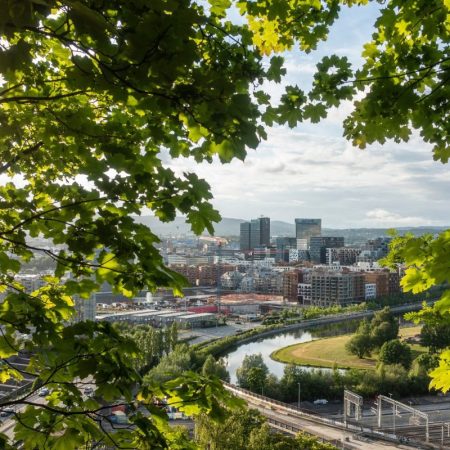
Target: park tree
x=395, y=352
x=211, y=367
x=173, y=335
x=95, y=97
x=424, y=363
x=360, y=344
x=383, y=327
x=435, y=332
x=252, y=373
x=172, y=365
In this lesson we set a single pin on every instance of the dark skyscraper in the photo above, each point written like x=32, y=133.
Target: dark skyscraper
x=264, y=230
x=255, y=233
x=245, y=236
x=307, y=228
x=318, y=247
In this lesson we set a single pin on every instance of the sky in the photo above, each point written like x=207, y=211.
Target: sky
x=312, y=171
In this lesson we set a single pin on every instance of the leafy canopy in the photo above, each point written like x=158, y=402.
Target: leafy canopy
x=95, y=98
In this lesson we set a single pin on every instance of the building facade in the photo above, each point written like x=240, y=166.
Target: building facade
x=345, y=256
x=319, y=244
x=336, y=288
x=244, y=240
x=283, y=247
x=307, y=228
x=291, y=280
x=255, y=233
x=370, y=291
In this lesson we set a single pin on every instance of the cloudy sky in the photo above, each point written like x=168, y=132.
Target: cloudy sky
x=312, y=171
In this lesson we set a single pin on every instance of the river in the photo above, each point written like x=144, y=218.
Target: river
x=266, y=346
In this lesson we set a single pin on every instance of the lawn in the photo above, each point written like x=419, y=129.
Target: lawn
x=329, y=352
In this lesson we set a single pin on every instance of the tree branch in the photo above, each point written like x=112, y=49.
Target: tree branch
x=47, y=211
x=36, y=99
x=16, y=158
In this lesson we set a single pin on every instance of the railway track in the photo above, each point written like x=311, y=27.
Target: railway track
x=439, y=434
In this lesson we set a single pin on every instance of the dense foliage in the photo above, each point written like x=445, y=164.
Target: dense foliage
x=330, y=384
x=369, y=336
x=427, y=259
x=212, y=367
x=252, y=373
x=396, y=352
x=152, y=343
x=247, y=430
x=95, y=98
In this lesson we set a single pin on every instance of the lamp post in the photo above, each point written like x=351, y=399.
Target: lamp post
x=298, y=398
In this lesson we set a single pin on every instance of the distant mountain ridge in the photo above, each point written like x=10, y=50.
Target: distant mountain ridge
x=230, y=227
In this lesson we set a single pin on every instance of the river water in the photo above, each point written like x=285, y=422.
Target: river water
x=267, y=345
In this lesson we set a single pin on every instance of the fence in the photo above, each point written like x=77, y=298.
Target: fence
x=294, y=411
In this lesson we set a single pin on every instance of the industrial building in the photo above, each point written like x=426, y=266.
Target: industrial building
x=163, y=318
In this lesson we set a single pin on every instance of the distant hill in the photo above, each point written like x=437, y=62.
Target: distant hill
x=230, y=227
x=226, y=227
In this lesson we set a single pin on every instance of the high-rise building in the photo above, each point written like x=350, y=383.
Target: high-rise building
x=264, y=230
x=284, y=245
x=255, y=233
x=245, y=236
x=307, y=228
x=319, y=244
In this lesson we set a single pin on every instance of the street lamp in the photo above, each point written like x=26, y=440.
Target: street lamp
x=298, y=399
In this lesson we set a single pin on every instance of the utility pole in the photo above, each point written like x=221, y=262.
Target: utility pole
x=298, y=400
x=394, y=407
x=218, y=280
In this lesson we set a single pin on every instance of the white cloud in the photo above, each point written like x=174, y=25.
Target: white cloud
x=298, y=173
x=313, y=171
x=381, y=217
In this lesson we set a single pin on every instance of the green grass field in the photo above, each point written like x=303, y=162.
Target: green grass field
x=329, y=352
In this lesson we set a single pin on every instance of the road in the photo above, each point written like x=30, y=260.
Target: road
x=8, y=423
x=208, y=334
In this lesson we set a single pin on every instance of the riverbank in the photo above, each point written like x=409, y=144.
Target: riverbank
x=219, y=347
x=331, y=352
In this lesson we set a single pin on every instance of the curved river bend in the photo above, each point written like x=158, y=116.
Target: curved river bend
x=267, y=345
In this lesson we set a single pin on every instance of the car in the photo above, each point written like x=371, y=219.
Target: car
x=43, y=392
x=5, y=412
x=320, y=401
